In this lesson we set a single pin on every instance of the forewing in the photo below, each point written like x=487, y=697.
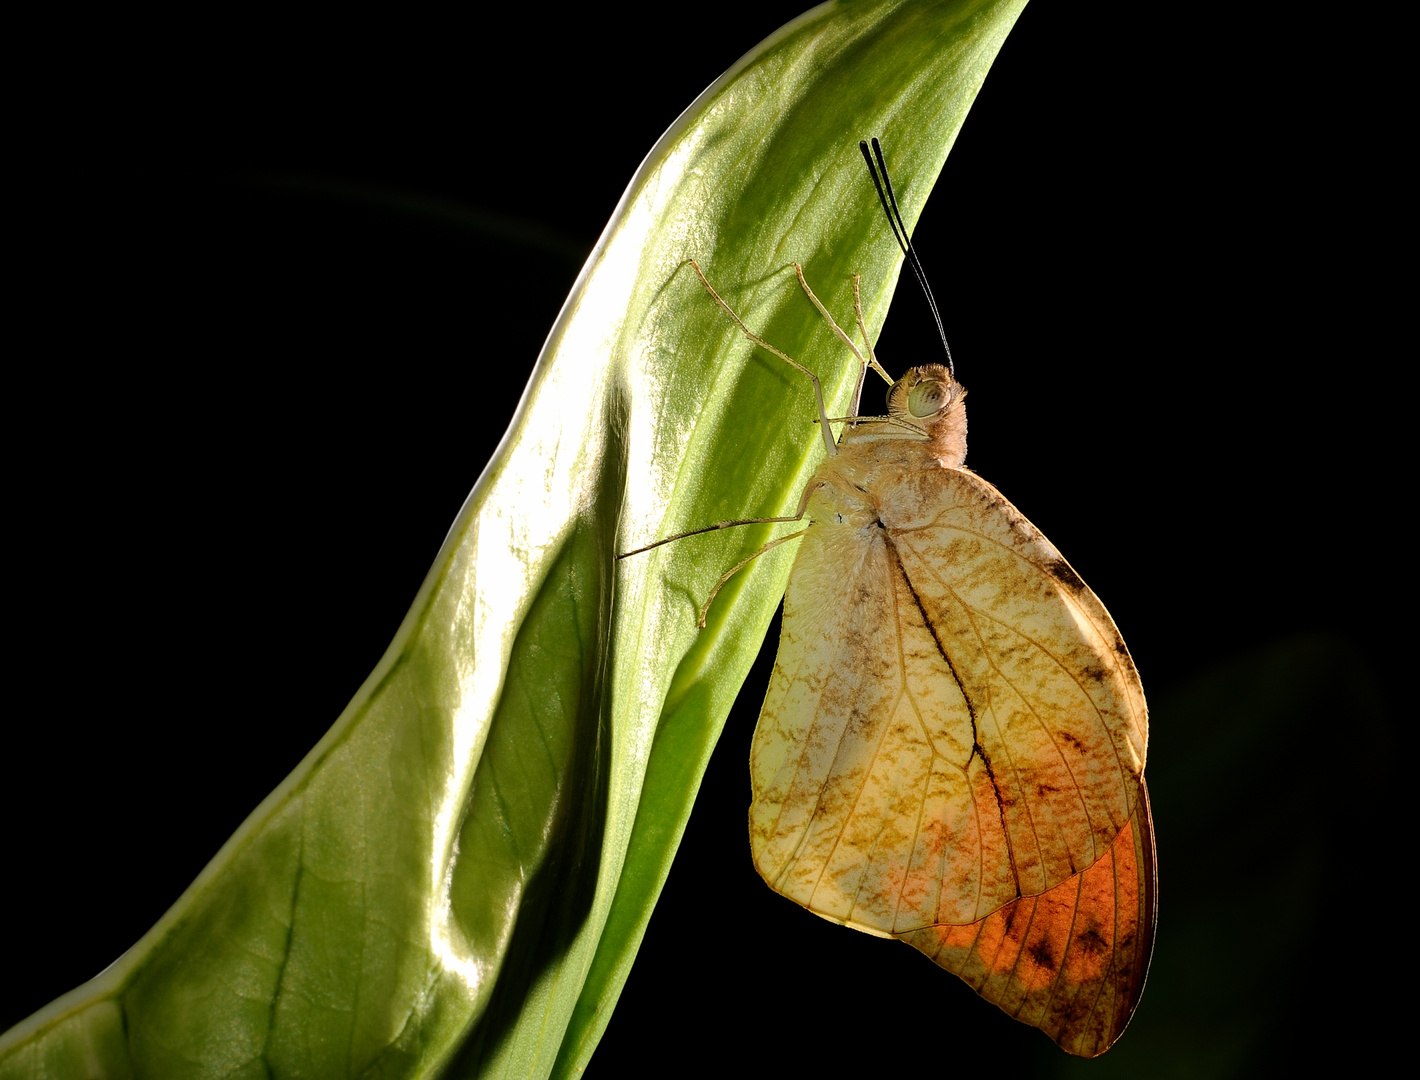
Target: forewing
x=1073, y=960
x=1056, y=709
x=868, y=798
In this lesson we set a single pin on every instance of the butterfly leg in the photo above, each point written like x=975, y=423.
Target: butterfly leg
x=863, y=364
x=867, y=341
x=732, y=571
x=818, y=388
x=798, y=515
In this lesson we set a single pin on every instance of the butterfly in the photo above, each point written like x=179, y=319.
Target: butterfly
x=951, y=750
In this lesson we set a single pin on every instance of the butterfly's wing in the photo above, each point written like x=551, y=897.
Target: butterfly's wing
x=1057, y=708
x=953, y=720
x=1071, y=961
x=867, y=796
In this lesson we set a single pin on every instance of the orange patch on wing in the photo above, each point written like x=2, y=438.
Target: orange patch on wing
x=1073, y=960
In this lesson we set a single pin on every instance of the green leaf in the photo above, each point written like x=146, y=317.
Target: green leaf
x=457, y=877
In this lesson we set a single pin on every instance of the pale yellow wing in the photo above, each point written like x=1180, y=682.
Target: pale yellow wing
x=1073, y=960
x=866, y=797
x=953, y=720
x=1056, y=701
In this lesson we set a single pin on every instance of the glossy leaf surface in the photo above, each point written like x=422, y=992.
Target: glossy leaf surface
x=456, y=878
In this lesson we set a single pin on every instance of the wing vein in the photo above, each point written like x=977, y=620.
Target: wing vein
x=891, y=546
x=971, y=614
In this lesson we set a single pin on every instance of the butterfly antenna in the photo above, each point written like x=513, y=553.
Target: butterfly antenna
x=899, y=232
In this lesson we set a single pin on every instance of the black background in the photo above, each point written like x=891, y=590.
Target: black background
x=283, y=281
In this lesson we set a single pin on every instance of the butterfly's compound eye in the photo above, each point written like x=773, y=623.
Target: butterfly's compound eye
x=926, y=398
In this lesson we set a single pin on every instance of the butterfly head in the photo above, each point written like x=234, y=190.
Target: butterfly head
x=930, y=399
